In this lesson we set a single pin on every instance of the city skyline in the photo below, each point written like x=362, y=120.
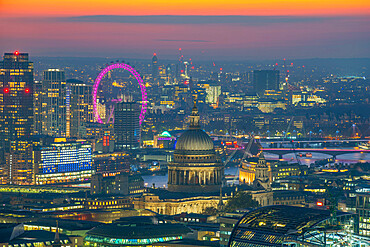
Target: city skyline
x=237, y=30
x=191, y=123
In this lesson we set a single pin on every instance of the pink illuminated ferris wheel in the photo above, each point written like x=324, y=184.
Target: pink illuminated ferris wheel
x=138, y=79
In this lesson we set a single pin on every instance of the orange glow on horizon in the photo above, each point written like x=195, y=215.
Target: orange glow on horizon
x=42, y=8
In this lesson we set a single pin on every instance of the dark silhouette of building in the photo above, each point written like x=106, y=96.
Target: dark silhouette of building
x=127, y=125
x=265, y=80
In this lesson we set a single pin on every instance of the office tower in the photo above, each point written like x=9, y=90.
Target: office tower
x=79, y=108
x=213, y=94
x=19, y=165
x=169, y=75
x=119, y=184
x=62, y=161
x=16, y=117
x=16, y=98
x=126, y=125
x=265, y=80
x=37, y=107
x=155, y=68
x=54, y=102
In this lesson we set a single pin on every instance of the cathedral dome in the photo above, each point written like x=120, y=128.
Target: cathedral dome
x=194, y=140
x=196, y=167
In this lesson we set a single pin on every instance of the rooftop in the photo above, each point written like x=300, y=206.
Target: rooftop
x=283, y=219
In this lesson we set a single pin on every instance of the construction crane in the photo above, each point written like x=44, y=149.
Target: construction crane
x=289, y=125
x=291, y=142
x=230, y=156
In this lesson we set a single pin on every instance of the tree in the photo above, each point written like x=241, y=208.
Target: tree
x=210, y=211
x=240, y=200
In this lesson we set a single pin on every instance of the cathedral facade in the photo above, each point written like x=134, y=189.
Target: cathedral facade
x=196, y=167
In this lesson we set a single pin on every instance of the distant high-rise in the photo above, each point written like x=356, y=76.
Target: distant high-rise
x=169, y=75
x=155, y=68
x=265, y=80
x=79, y=107
x=127, y=125
x=54, y=102
x=37, y=107
x=16, y=98
x=213, y=93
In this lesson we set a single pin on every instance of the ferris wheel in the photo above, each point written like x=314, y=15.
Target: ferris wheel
x=138, y=78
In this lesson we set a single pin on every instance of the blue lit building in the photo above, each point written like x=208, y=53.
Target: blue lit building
x=63, y=161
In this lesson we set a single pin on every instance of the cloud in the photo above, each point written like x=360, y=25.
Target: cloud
x=184, y=40
x=187, y=19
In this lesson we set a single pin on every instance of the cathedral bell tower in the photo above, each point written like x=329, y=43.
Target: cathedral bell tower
x=262, y=174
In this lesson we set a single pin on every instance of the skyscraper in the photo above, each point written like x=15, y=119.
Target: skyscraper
x=79, y=107
x=155, y=68
x=16, y=117
x=37, y=107
x=265, y=80
x=127, y=125
x=16, y=98
x=54, y=102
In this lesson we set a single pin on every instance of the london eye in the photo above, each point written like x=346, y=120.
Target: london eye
x=98, y=80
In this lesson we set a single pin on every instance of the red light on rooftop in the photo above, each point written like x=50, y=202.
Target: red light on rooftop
x=319, y=204
x=16, y=53
x=27, y=90
x=6, y=90
x=154, y=54
x=179, y=49
x=276, y=64
x=221, y=69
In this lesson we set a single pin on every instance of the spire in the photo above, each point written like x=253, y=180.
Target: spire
x=194, y=118
x=56, y=237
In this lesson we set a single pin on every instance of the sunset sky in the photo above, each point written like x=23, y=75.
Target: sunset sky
x=263, y=29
